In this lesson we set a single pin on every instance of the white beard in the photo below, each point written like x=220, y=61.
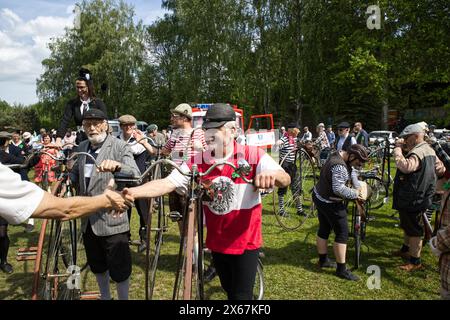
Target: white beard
x=98, y=138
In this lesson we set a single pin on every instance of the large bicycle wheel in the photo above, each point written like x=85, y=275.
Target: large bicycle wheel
x=258, y=289
x=152, y=260
x=379, y=194
x=41, y=256
x=40, y=289
x=189, y=276
x=56, y=270
x=296, y=205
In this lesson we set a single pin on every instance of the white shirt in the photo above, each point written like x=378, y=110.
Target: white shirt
x=307, y=136
x=342, y=140
x=18, y=199
x=136, y=147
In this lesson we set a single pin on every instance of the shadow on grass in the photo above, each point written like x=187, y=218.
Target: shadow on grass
x=18, y=286
x=166, y=262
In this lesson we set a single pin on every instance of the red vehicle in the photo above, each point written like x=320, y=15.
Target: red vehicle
x=260, y=131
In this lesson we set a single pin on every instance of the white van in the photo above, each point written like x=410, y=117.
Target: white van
x=116, y=130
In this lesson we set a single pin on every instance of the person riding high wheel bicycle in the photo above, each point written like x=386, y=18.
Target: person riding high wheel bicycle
x=76, y=107
x=184, y=143
x=234, y=214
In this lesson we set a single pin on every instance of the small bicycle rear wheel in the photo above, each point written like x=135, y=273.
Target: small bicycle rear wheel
x=379, y=194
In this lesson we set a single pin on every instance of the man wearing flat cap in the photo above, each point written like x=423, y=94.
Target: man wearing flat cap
x=105, y=236
x=414, y=187
x=184, y=143
x=158, y=138
x=233, y=217
x=344, y=139
x=136, y=141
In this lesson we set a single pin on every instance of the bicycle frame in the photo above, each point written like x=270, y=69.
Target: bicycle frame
x=359, y=221
x=386, y=157
x=55, y=237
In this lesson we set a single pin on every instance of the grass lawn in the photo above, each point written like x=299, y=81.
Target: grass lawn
x=289, y=265
x=290, y=270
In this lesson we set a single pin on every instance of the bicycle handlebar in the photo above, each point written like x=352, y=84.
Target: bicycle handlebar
x=240, y=170
x=73, y=155
x=150, y=140
x=137, y=180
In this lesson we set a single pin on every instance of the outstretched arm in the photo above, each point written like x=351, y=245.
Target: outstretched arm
x=52, y=207
x=151, y=189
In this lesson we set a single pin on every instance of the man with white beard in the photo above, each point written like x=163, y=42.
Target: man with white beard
x=105, y=236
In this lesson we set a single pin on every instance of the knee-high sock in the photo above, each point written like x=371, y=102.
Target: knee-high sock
x=122, y=289
x=103, y=285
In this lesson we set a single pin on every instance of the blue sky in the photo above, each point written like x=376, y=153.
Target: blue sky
x=25, y=29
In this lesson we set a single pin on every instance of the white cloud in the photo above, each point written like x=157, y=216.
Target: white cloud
x=23, y=45
x=25, y=32
x=153, y=15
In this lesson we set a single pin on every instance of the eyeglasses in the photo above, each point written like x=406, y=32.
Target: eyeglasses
x=90, y=123
x=174, y=115
x=127, y=125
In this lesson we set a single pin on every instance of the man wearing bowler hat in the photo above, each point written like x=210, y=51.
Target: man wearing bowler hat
x=344, y=139
x=105, y=237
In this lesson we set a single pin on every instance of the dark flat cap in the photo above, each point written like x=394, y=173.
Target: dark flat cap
x=217, y=115
x=94, y=113
x=344, y=124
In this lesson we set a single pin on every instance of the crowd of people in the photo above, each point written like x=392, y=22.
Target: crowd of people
x=422, y=168
x=234, y=228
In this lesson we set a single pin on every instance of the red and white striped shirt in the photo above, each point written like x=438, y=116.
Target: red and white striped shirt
x=182, y=148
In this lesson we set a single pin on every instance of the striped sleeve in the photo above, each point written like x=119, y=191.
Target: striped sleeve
x=339, y=177
x=285, y=148
x=442, y=155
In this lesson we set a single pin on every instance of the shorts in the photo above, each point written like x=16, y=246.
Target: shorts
x=108, y=253
x=411, y=223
